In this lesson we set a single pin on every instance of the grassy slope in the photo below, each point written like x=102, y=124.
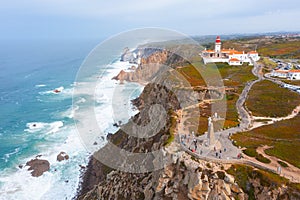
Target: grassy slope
x=268, y=47
x=296, y=82
x=283, y=136
x=268, y=99
x=282, y=49
x=234, y=77
x=243, y=173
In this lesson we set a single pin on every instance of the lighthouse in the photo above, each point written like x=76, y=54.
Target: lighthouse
x=218, y=45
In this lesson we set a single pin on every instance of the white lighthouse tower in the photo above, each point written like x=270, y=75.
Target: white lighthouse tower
x=218, y=45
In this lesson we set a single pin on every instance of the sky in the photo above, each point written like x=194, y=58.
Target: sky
x=51, y=19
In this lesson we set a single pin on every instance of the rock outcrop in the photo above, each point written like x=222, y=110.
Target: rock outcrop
x=38, y=166
x=185, y=177
x=62, y=156
x=156, y=94
x=152, y=62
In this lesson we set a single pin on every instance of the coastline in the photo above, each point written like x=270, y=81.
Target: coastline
x=88, y=174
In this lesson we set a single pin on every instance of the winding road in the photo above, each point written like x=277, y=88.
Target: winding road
x=224, y=151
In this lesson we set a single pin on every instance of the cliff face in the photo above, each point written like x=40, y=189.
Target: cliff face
x=185, y=177
x=153, y=94
x=152, y=62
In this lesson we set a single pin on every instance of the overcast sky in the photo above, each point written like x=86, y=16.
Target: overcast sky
x=100, y=19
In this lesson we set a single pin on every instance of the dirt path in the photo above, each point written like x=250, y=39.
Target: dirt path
x=272, y=120
x=247, y=122
x=291, y=172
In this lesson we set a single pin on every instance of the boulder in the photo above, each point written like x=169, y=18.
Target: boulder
x=235, y=188
x=62, y=156
x=228, y=178
x=38, y=166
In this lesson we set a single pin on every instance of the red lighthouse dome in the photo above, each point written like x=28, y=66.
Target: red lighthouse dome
x=218, y=40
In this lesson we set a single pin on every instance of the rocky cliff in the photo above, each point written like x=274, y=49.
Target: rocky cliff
x=151, y=62
x=156, y=94
x=185, y=177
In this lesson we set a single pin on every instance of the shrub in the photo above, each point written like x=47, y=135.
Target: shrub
x=262, y=159
x=250, y=152
x=283, y=164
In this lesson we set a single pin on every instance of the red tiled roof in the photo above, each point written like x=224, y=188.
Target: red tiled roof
x=234, y=59
x=282, y=71
x=294, y=71
x=209, y=51
x=253, y=52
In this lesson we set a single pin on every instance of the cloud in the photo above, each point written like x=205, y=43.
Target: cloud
x=91, y=8
x=73, y=17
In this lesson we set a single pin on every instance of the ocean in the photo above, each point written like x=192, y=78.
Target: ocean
x=34, y=120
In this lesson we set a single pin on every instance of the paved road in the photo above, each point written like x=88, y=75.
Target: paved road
x=223, y=143
x=204, y=152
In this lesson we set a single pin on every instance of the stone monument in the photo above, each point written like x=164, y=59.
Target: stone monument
x=210, y=132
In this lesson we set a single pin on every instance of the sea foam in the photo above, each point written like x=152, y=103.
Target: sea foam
x=62, y=180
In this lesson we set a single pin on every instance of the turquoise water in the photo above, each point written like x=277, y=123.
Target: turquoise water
x=30, y=71
x=26, y=66
x=34, y=120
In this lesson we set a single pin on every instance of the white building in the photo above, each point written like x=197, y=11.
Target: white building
x=230, y=56
x=293, y=75
x=280, y=73
x=234, y=61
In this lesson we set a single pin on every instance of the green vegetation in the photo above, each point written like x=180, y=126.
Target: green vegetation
x=268, y=63
x=263, y=120
x=282, y=49
x=262, y=159
x=283, y=137
x=242, y=174
x=173, y=121
x=283, y=164
x=235, y=76
x=234, y=79
x=252, y=153
x=292, y=82
x=268, y=99
x=192, y=75
x=274, y=47
x=245, y=176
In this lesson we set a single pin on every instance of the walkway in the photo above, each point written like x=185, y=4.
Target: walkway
x=223, y=150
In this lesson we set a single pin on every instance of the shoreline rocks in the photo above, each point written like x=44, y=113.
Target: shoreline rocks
x=62, y=156
x=38, y=166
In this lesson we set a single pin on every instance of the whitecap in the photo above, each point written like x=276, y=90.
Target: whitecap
x=70, y=112
x=80, y=100
x=7, y=155
x=54, y=91
x=40, y=85
x=44, y=127
x=19, y=184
